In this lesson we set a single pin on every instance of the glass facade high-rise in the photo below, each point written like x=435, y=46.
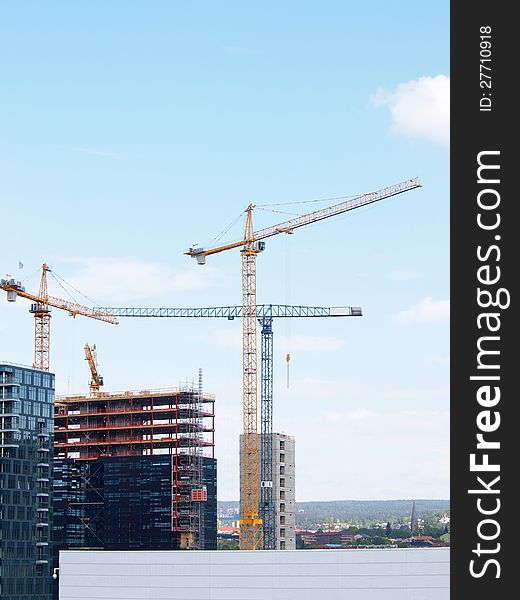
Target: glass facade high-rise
x=26, y=437
x=125, y=502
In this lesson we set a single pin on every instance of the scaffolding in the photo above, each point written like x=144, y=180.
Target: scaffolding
x=177, y=422
x=189, y=471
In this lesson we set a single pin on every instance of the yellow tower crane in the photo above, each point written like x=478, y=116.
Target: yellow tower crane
x=41, y=309
x=91, y=357
x=251, y=245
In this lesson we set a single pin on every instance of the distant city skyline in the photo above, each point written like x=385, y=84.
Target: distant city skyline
x=131, y=133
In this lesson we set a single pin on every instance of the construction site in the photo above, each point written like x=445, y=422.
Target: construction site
x=137, y=469
x=224, y=301
x=123, y=457
x=180, y=424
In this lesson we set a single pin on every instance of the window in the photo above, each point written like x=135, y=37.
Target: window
x=282, y=445
x=282, y=545
x=282, y=470
x=282, y=457
x=282, y=507
x=9, y=392
x=282, y=520
x=282, y=532
x=282, y=481
x=282, y=495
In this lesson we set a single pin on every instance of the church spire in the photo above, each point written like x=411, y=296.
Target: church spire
x=413, y=521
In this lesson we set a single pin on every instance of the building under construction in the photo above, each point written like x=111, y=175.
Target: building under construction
x=135, y=470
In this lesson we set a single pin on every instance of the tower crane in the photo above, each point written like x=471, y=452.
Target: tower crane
x=41, y=309
x=265, y=313
x=251, y=245
x=91, y=357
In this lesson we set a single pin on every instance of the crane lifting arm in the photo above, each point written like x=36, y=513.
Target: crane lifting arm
x=91, y=357
x=16, y=289
x=317, y=215
x=235, y=312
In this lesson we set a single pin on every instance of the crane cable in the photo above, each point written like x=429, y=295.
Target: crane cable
x=265, y=207
x=281, y=212
x=59, y=279
x=311, y=201
x=63, y=287
x=223, y=233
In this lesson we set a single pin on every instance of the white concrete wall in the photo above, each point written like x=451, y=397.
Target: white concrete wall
x=393, y=574
x=289, y=490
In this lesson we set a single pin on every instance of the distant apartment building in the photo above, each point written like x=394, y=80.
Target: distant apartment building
x=325, y=538
x=26, y=427
x=283, y=489
x=135, y=470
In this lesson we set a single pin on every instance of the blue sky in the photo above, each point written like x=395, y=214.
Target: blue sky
x=131, y=130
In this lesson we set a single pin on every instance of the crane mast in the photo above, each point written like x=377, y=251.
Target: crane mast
x=42, y=325
x=267, y=502
x=251, y=523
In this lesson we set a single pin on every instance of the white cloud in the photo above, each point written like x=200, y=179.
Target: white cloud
x=404, y=275
x=419, y=108
x=426, y=310
x=127, y=278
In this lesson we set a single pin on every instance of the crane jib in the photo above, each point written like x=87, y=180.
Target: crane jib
x=336, y=209
x=235, y=312
x=200, y=253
